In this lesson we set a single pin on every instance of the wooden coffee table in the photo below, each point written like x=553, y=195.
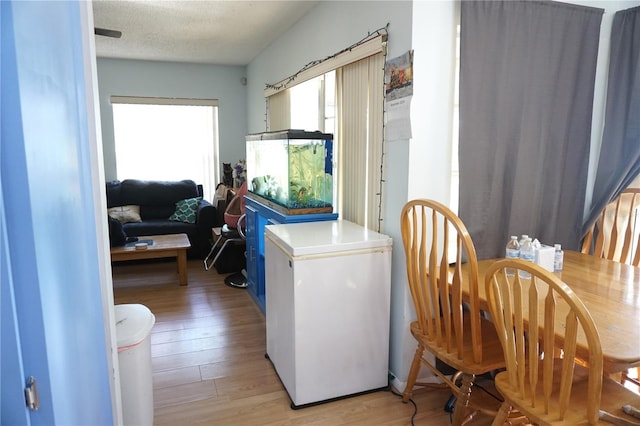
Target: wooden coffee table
x=172, y=245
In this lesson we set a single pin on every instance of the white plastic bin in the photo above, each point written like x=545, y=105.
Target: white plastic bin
x=133, y=328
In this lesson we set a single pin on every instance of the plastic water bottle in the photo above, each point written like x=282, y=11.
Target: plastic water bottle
x=512, y=252
x=558, y=258
x=524, y=237
x=536, y=244
x=527, y=253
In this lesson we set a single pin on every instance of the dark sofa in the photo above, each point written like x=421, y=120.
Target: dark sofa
x=157, y=201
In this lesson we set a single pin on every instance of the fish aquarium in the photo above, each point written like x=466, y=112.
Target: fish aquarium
x=291, y=170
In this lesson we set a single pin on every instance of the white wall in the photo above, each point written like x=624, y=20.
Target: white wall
x=181, y=80
x=430, y=149
x=327, y=29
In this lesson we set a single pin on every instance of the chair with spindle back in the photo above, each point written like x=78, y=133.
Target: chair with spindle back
x=535, y=314
x=614, y=236
x=436, y=245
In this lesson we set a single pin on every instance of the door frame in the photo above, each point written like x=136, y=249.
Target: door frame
x=100, y=202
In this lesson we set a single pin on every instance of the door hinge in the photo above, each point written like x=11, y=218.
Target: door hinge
x=31, y=394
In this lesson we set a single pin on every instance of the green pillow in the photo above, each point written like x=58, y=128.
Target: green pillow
x=186, y=210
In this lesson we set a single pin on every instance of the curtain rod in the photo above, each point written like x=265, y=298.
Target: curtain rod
x=283, y=84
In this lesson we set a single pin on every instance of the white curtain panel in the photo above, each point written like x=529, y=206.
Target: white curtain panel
x=375, y=150
x=360, y=118
x=352, y=124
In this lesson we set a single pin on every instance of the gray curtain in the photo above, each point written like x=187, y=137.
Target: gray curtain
x=527, y=71
x=619, y=161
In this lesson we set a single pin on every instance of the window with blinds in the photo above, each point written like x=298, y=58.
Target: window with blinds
x=167, y=139
x=346, y=100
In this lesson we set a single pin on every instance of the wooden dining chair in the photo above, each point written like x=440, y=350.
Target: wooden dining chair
x=449, y=326
x=616, y=237
x=534, y=317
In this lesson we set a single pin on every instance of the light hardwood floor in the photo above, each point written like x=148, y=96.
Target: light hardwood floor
x=208, y=347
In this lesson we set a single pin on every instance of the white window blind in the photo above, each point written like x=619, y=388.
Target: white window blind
x=279, y=111
x=167, y=139
x=360, y=124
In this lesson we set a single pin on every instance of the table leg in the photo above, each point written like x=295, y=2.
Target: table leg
x=182, y=267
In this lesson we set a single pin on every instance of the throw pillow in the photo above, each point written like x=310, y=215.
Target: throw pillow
x=125, y=214
x=186, y=210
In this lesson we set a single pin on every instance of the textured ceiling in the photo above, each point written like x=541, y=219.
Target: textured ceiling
x=206, y=31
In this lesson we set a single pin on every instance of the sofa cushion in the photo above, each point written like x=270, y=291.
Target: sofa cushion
x=159, y=227
x=157, y=199
x=186, y=210
x=157, y=212
x=113, y=194
x=125, y=214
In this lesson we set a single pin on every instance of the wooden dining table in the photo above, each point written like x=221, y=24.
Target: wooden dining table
x=611, y=292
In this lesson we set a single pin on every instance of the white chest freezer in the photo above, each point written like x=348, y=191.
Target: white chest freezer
x=327, y=308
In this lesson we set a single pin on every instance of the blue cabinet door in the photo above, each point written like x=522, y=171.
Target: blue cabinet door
x=255, y=253
x=251, y=247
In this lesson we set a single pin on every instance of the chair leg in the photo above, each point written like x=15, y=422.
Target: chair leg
x=413, y=374
x=502, y=415
x=624, y=376
x=227, y=242
x=208, y=265
x=219, y=253
x=463, y=399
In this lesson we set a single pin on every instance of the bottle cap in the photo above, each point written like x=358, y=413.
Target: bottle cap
x=557, y=246
x=514, y=237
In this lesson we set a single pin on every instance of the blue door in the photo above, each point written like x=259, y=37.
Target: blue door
x=52, y=315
